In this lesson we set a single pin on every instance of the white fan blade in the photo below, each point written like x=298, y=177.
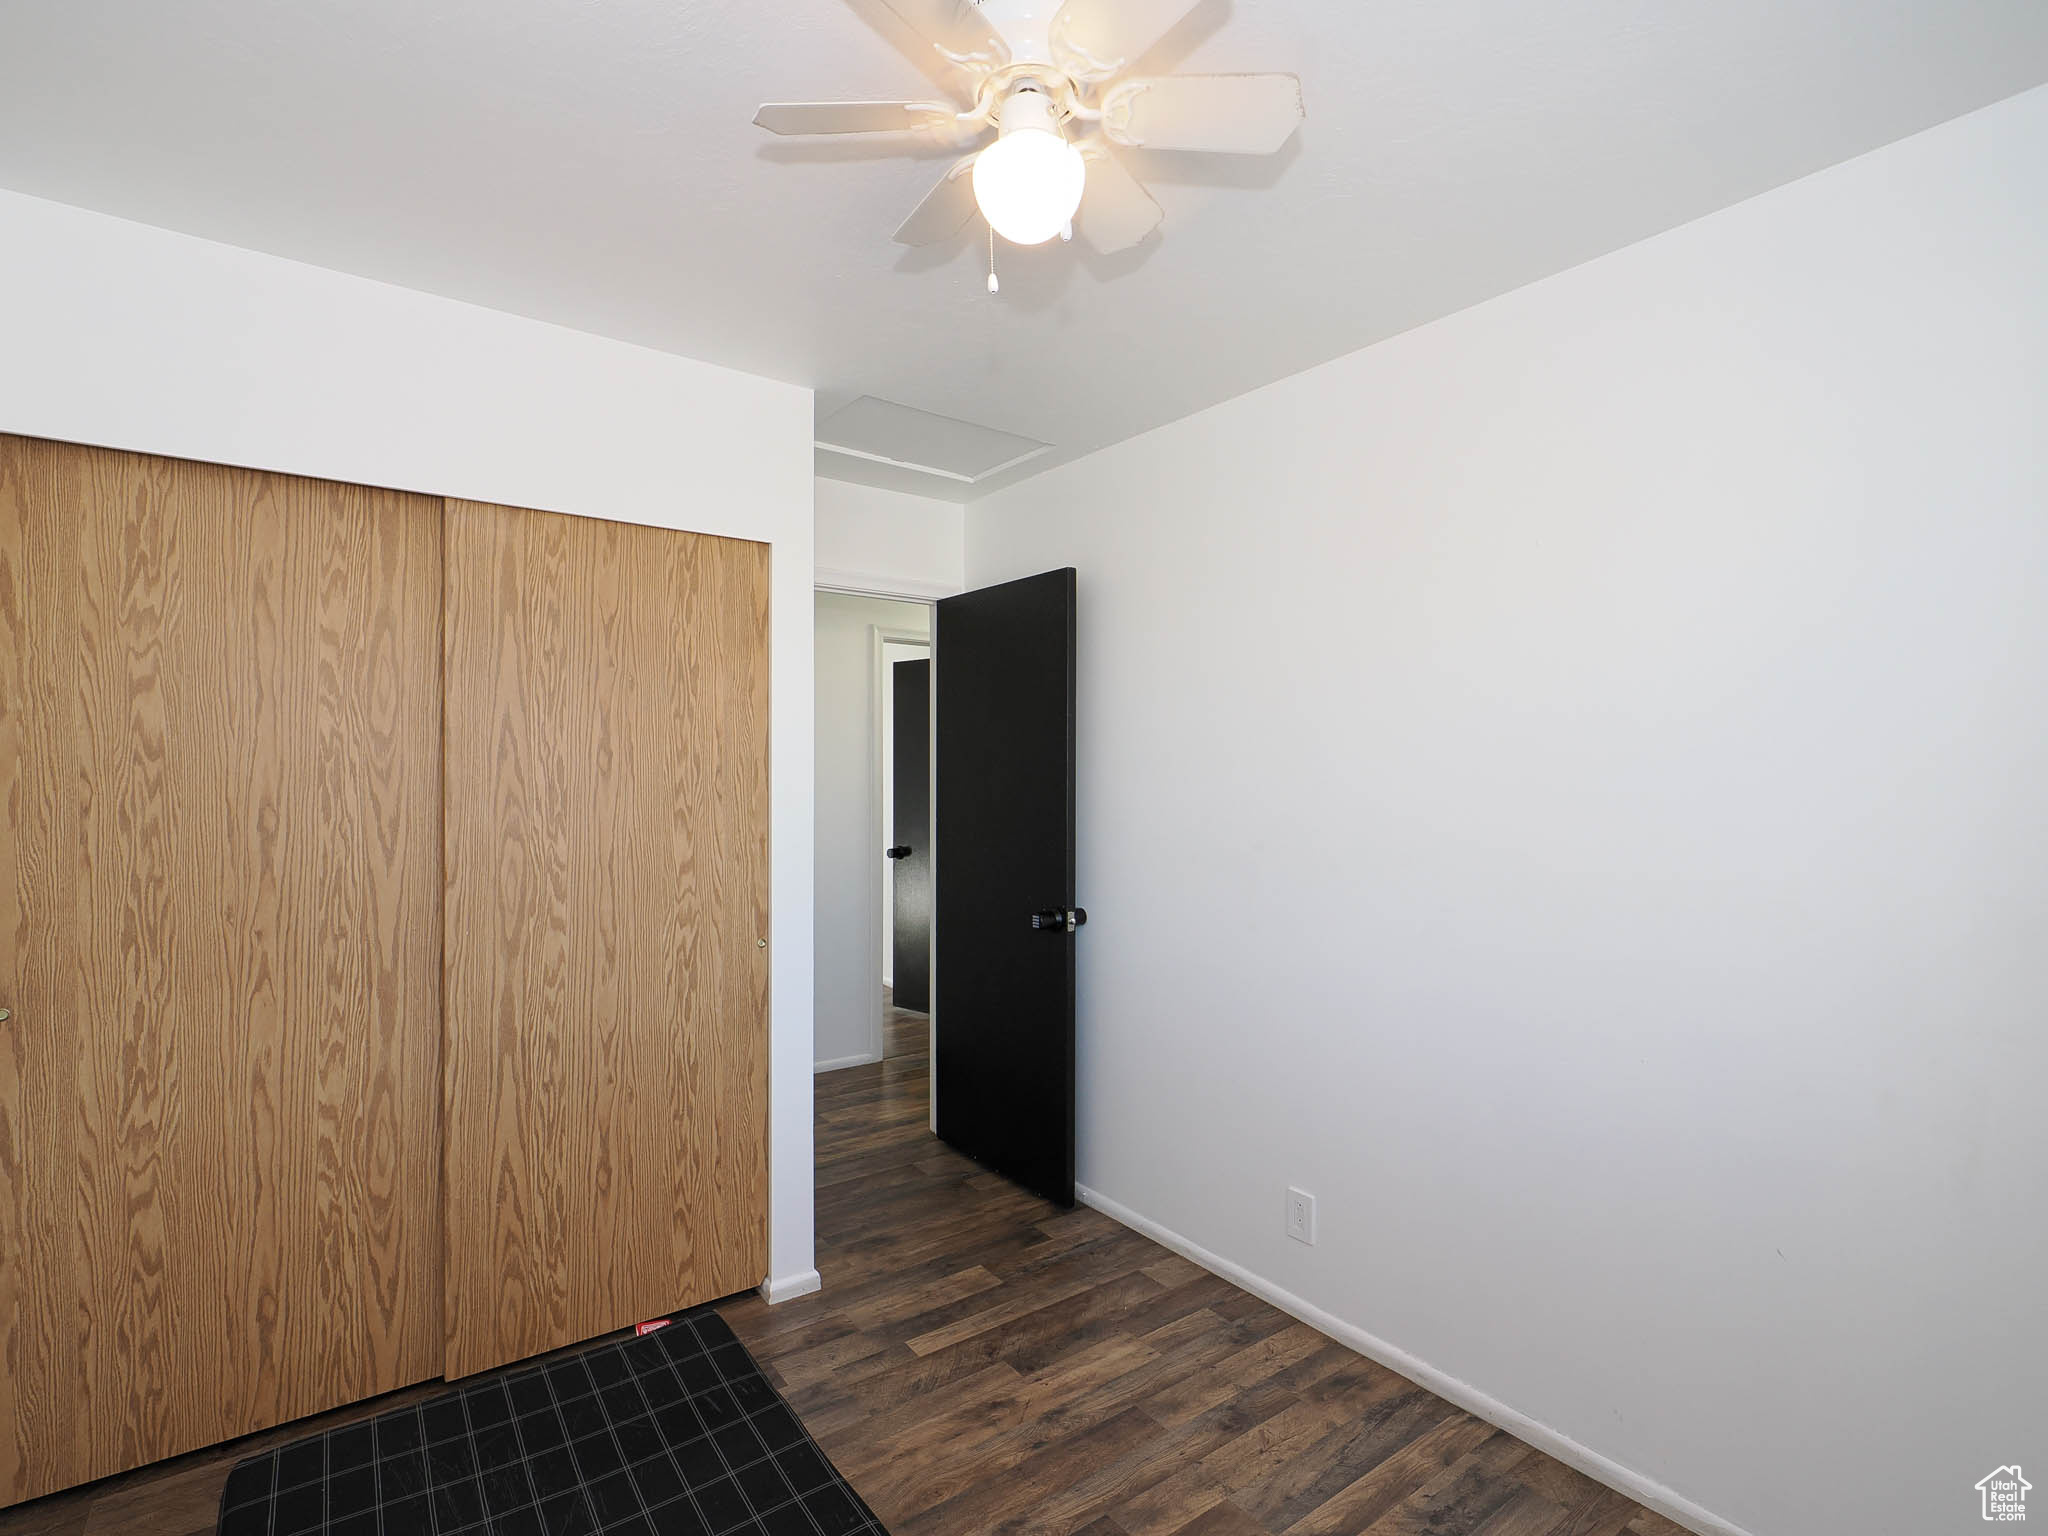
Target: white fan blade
x=955, y=28
x=1222, y=114
x=1116, y=213
x=945, y=208
x=1099, y=37
x=852, y=116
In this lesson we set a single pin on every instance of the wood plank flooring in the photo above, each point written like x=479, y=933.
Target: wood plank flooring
x=904, y=1033
x=982, y=1364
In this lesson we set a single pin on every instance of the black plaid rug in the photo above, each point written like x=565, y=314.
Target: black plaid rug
x=674, y=1434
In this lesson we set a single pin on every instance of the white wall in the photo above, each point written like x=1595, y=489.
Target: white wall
x=874, y=540
x=1569, y=787
x=848, y=839
x=130, y=337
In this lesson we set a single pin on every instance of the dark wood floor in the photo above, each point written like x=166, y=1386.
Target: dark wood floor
x=903, y=1033
x=980, y=1362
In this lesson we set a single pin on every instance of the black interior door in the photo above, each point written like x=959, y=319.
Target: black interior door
x=1004, y=1077
x=910, y=961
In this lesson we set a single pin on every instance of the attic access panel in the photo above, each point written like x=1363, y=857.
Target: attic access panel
x=883, y=432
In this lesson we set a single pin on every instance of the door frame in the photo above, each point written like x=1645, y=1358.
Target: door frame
x=880, y=638
x=902, y=590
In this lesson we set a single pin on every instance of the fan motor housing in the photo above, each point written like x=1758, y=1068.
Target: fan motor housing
x=1029, y=105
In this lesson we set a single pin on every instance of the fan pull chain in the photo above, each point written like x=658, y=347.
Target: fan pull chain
x=993, y=285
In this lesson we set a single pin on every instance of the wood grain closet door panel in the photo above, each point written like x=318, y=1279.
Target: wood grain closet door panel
x=606, y=1057
x=219, y=936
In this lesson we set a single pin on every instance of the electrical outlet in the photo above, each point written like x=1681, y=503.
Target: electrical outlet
x=1301, y=1216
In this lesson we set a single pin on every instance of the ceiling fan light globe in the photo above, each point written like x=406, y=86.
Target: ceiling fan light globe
x=1028, y=185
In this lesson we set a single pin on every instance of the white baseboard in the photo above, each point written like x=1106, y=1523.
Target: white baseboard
x=780, y=1288
x=1644, y=1490
x=865, y=1058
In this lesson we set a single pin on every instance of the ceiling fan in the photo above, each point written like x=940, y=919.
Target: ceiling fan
x=1049, y=78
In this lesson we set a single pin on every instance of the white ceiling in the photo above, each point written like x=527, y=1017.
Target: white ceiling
x=595, y=164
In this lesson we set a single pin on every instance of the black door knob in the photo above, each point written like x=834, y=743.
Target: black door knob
x=1064, y=919
x=900, y=851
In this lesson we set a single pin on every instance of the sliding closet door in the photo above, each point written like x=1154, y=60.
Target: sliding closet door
x=607, y=895
x=219, y=950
